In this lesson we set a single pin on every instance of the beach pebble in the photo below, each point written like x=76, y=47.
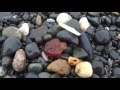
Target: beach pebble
x=84, y=69
x=38, y=20
x=24, y=29
x=63, y=18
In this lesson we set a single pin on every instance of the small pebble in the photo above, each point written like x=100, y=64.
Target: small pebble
x=38, y=20
x=73, y=61
x=24, y=29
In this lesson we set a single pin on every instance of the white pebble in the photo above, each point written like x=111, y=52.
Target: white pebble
x=107, y=28
x=84, y=69
x=50, y=20
x=84, y=24
x=63, y=18
x=44, y=56
x=24, y=29
x=70, y=29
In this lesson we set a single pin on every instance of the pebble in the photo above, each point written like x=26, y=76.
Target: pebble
x=24, y=29
x=55, y=76
x=117, y=21
x=98, y=67
x=54, y=48
x=54, y=30
x=32, y=50
x=73, y=61
x=26, y=40
x=47, y=37
x=115, y=13
x=114, y=55
x=59, y=66
x=84, y=69
x=38, y=20
x=35, y=67
x=68, y=36
x=25, y=16
x=84, y=24
x=2, y=38
x=75, y=15
x=116, y=72
x=94, y=20
x=44, y=75
x=10, y=46
x=19, y=62
x=50, y=20
x=102, y=37
x=79, y=53
x=118, y=36
x=6, y=61
x=3, y=71
x=63, y=18
x=42, y=61
x=113, y=27
x=94, y=13
x=12, y=31
x=45, y=57
x=31, y=75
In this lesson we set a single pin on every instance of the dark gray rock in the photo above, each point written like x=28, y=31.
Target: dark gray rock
x=42, y=61
x=31, y=75
x=44, y=75
x=67, y=36
x=114, y=55
x=75, y=15
x=10, y=46
x=79, y=53
x=6, y=61
x=32, y=50
x=116, y=72
x=94, y=13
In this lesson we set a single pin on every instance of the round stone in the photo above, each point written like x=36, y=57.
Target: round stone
x=44, y=75
x=31, y=75
x=63, y=18
x=84, y=69
x=3, y=71
x=38, y=20
x=102, y=36
x=6, y=61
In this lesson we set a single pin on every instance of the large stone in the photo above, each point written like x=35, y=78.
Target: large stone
x=67, y=36
x=59, y=66
x=32, y=50
x=10, y=46
x=54, y=48
x=12, y=31
x=19, y=62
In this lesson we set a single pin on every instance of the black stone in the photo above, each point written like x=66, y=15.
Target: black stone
x=114, y=55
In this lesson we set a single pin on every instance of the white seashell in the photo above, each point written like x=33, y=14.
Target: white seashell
x=44, y=56
x=50, y=20
x=84, y=24
x=70, y=29
x=63, y=18
x=24, y=29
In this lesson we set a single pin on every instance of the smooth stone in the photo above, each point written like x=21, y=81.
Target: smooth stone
x=24, y=29
x=106, y=20
x=114, y=55
x=67, y=36
x=75, y=15
x=53, y=15
x=59, y=66
x=94, y=13
x=102, y=37
x=49, y=24
x=44, y=75
x=115, y=13
x=113, y=33
x=32, y=50
x=50, y=20
x=79, y=53
x=54, y=30
x=35, y=67
x=10, y=46
x=31, y=75
x=113, y=19
x=2, y=39
x=38, y=20
x=94, y=20
x=116, y=72
x=12, y=31
x=74, y=23
x=25, y=16
x=84, y=24
x=99, y=48
x=98, y=67
x=42, y=61
x=5, y=15
x=84, y=69
x=3, y=71
x=63, y=18
x=117, y=21
x=6, y=61
x=90, y=31
x=39, y=40
x=47, y=37
x=26, y=40
x=38, y=32
x=19, y=62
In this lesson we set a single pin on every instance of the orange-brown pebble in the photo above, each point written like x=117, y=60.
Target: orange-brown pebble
x=73, y=61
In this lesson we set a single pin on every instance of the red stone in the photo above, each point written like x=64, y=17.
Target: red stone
x=54, y=48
